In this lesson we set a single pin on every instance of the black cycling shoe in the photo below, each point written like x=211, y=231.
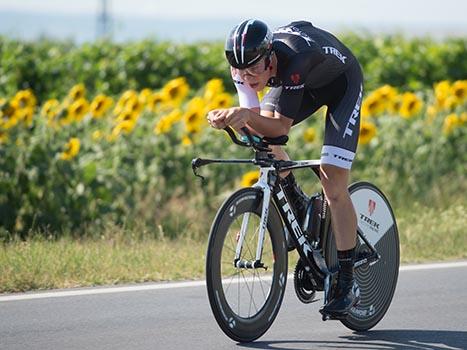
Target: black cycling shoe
x=346, y=296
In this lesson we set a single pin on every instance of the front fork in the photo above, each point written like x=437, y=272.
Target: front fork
x=263, y=184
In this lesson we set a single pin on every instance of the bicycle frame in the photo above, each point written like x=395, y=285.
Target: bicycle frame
x=235, y=247
x=312, y=257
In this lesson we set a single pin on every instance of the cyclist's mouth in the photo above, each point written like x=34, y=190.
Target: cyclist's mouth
x=253, y=86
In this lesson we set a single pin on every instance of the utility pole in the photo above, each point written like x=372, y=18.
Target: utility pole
x=103, y=21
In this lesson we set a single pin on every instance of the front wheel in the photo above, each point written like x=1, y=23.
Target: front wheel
x=377, y=282
x=245, y=300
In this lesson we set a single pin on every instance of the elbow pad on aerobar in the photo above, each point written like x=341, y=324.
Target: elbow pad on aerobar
x=247, y=97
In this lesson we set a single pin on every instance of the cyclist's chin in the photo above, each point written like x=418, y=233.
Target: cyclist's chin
x=258, y=86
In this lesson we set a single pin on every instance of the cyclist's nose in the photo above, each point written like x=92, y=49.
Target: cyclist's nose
x=249, y=78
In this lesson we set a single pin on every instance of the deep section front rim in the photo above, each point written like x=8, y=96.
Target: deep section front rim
x=245, y=301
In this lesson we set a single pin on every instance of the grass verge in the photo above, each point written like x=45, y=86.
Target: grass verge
x=44, y=264
x=426, y=234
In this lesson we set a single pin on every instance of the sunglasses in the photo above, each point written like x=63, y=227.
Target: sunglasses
x=255, y=69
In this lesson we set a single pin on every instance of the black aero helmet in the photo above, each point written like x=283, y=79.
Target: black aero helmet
x=247, y=43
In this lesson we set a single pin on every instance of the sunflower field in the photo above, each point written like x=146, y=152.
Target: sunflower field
x=78, y=161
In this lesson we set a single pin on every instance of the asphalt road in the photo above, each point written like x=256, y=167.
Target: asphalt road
x=429, y=311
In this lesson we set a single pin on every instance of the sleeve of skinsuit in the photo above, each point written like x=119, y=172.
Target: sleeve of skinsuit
x=247, y=97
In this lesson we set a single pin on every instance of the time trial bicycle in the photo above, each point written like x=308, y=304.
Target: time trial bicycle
x=247, y=255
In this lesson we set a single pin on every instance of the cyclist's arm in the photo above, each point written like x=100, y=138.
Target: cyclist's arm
x=238, y=117
x=269, y=124
x=247, y=97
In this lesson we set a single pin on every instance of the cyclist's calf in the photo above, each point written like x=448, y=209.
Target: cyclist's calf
x=344, y=223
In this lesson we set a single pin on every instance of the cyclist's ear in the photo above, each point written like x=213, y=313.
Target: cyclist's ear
x=234, y=72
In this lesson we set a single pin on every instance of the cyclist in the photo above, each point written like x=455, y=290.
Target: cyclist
x=305, y=68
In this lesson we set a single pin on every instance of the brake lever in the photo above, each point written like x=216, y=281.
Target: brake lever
x=195, y=164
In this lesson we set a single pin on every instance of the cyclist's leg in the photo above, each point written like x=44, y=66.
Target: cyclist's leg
x=335, y=183
x=308, y=106
x=297, y=198
x=340, y=143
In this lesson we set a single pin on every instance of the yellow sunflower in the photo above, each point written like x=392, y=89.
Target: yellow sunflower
x=213, y=88
x=459, y=90
x=156, y=100
x=186, y=141
x=194, y=115
x=222, y=100
x=451, y=122
x=442, y=90
x=78, y=109
x=450, y=102
x=372, y=105
x=176, y=90
x=100, y=105
x=125, y=126
x=411, y=105
x=309, y=135
x=250, y=178
x=8, y=115
x=24, y=99
x=25, y=114
x=387, y=94
x=50, y=108
x=463, y=118
x=367, y=132
x=124, y=100
x=127, y=96
x=71, y=149
x=165, y=123
x=144, y=95
x=134, y=105
x=77, y=92
x=394, y=105
x=127, y=115
x=195, y=124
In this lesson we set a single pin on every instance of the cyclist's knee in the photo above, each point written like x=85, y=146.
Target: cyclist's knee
x=334, y=181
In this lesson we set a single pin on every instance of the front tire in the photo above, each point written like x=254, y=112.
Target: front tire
x=245, y=301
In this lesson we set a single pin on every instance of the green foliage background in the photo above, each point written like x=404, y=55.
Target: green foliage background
x=144, y=181
x=50, y=68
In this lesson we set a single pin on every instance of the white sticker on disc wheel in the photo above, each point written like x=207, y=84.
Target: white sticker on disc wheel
x=373, y=215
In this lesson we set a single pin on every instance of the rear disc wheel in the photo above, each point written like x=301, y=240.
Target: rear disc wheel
x=377, y=282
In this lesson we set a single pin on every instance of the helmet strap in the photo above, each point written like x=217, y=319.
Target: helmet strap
x=267, y=61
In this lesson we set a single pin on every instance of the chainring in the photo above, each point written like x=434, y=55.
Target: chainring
x=304, y=284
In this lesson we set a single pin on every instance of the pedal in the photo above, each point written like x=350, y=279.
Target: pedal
x=337, y=317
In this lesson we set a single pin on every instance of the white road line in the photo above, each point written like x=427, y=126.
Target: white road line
x=157, y=286
x=446, y=265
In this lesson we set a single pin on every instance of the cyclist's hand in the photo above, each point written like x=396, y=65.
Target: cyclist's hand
x=216, y=118
x=237, y=117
